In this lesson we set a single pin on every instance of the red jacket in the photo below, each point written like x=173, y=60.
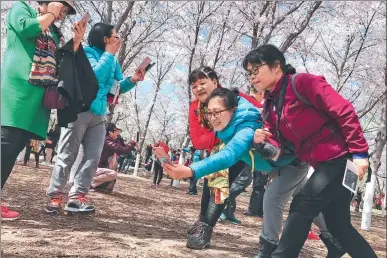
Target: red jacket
x=328, y=130
x=163, y=145
x=201, y=137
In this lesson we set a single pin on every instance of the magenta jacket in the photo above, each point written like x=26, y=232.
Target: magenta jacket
x=327, y=129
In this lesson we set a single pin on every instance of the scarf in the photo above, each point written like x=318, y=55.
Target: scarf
x=218, y=182
x=44, y=66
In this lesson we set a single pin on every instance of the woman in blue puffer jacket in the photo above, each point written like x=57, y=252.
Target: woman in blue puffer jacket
x=234, y=120
x=89, y=128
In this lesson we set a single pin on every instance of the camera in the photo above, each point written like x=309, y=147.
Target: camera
x=268, y=150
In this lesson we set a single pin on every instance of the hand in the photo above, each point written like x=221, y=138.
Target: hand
x=362, y=165
x=261, y=135
x=79, y=30
x=55, y=8
x=138, y=76
x=113, y=46
x=177, y=171
x=132, y=144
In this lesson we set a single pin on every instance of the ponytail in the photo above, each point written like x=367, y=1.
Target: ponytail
x=289, y=69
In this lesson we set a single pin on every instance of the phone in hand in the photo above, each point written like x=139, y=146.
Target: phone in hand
x=162, y=156
x=145, y=63
x=85, y=18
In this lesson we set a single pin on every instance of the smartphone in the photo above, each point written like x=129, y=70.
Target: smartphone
x=351, y=177
x=145, y=63
x=161, y=155
x=149, y=67
x=85, y=18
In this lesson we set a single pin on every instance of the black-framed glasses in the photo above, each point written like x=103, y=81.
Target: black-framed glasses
x=215, y=114
x=254, y=71
x=116, y=36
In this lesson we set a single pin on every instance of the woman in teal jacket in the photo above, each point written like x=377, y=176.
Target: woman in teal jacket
x=89, y=129
x=234, y=120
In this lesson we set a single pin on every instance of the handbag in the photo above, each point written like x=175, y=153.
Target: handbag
x=53, y=99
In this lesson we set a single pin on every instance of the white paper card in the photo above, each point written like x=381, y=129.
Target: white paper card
x=351, y=177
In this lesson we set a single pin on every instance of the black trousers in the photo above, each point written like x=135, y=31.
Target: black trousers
x=323, y=192
x=13, y=141
x=256, y=198
x=235, y=189
x=27, y=156
x=192, y=186
x=158, y=173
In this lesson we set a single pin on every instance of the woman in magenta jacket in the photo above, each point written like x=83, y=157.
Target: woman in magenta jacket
x=325, y=131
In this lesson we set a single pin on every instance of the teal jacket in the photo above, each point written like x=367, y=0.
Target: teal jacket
x=106, y=69
x=238, y=138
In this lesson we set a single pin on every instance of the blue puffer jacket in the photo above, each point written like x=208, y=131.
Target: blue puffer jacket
x=238, y=137
x=106, y=69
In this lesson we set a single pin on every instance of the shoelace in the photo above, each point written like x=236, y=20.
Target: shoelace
x=199, y=231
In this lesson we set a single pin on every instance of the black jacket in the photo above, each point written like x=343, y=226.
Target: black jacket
x=77, y=82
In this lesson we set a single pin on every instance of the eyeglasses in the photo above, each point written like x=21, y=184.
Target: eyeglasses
x=116, y=36
x=215, y=114
x=254, y=71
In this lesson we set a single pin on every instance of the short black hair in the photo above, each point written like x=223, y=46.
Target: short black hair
x=204, y=72
x=229, y=97
x=267, y=54
x=110, y=128
x=97, y=34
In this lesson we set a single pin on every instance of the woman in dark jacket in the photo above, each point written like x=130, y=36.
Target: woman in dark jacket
x=334, y=136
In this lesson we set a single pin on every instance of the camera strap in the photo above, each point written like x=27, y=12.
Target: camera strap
x=278, y=107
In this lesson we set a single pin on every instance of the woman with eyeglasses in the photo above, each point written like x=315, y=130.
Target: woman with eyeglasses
x=23, y=115
x=325, y=131
x=204, y=80
x=89, y=129
x=234, y=120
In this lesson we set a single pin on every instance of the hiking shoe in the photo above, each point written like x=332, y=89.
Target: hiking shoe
x=79, y=204
x=54, y=205
x=7, y=214
x=201, y=237
x=195, y=225
x=233, y=220
x=265, y=248
x=251, y=214
x=222, y=218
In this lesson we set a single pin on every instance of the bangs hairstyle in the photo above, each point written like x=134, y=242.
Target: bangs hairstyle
x=203, y=72
x=267, y=54
x=229, y=97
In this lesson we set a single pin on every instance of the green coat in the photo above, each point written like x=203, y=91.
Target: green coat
x=21, y=102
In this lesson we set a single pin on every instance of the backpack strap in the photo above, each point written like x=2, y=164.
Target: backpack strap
x=297, y=93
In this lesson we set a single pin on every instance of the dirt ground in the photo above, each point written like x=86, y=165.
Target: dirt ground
x=137, y=220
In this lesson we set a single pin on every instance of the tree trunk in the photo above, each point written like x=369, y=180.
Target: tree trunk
x=109, y=11
x=181, y=159
x=375, y=164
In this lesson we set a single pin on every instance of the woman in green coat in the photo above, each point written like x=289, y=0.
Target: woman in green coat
x=23, y=116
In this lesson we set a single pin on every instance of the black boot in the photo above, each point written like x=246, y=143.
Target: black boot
x=335, y=250
x=195, y=225
x=201, y=237
x=265, y=248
